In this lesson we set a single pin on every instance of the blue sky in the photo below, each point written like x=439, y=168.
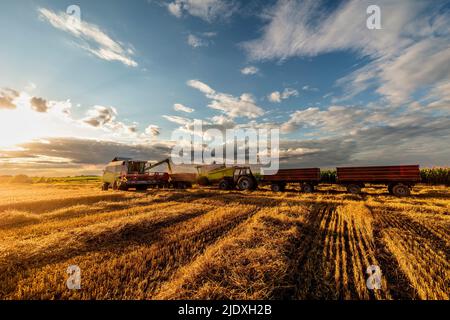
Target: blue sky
x=133, y=71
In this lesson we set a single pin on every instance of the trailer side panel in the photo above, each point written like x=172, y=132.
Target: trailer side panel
x=294, y=175
x=382, y=174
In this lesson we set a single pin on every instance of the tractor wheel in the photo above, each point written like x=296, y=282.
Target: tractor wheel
x=307, y=188
x=275, y=187
x=400, y=190
x=245, y=183
x=105, y=186
x=224, y=185
x=354, y=189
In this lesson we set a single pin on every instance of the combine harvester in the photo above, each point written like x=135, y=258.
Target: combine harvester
x=125, y=173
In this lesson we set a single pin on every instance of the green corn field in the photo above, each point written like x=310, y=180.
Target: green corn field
x=431, y=176
x=436, y=176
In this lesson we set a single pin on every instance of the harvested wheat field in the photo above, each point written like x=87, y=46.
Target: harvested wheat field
x=210, y=244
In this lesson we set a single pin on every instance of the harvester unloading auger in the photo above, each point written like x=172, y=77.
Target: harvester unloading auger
x=171, y=179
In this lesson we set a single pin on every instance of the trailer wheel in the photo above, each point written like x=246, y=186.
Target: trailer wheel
x=115, y=186
x=400, y=190
x=390, y=189
x=203, y=181
x=179, y=185
x=275, y=187
x=245, y=183
x=307, y=188
x=105, y=186
x=354, y=189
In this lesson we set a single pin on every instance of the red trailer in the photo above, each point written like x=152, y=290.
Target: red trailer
x=307, y=177
x=182, y=180
x=399, y=179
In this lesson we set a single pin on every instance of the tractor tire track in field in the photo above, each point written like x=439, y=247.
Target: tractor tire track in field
x=249, y=263
x=162, y=247
x=40, y=206
x=332, y=255
x=143, y=230
x=417, y=261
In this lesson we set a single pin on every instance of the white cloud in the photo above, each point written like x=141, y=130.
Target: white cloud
x=178, y=120
x=182, y=108
x=153, y=130
x=196, y=42
x=440, y=97
x=423, y=64
x=250, y=70
x=105, y=118
x=209, y=34
x=92, y=38
x=277, y=96
x=201, y=39
x=333, y=119
x=99, y=116
x=408, y=53
x=39, y=104
x=208, y=10
x=7, y=97
x=309, y=88
x=175, y=8
x=201, y=86
x=233, y=107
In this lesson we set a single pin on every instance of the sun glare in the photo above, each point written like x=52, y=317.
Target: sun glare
x=24, y=124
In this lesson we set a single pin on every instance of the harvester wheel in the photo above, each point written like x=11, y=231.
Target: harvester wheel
x=182, y=185
x=400, y=190
x=307, y=188
x=245, y=183
x=354, y=189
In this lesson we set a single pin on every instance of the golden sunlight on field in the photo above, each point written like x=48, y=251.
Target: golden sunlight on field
x=210, y=244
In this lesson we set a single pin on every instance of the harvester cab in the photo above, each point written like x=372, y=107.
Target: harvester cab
x=125, y=173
